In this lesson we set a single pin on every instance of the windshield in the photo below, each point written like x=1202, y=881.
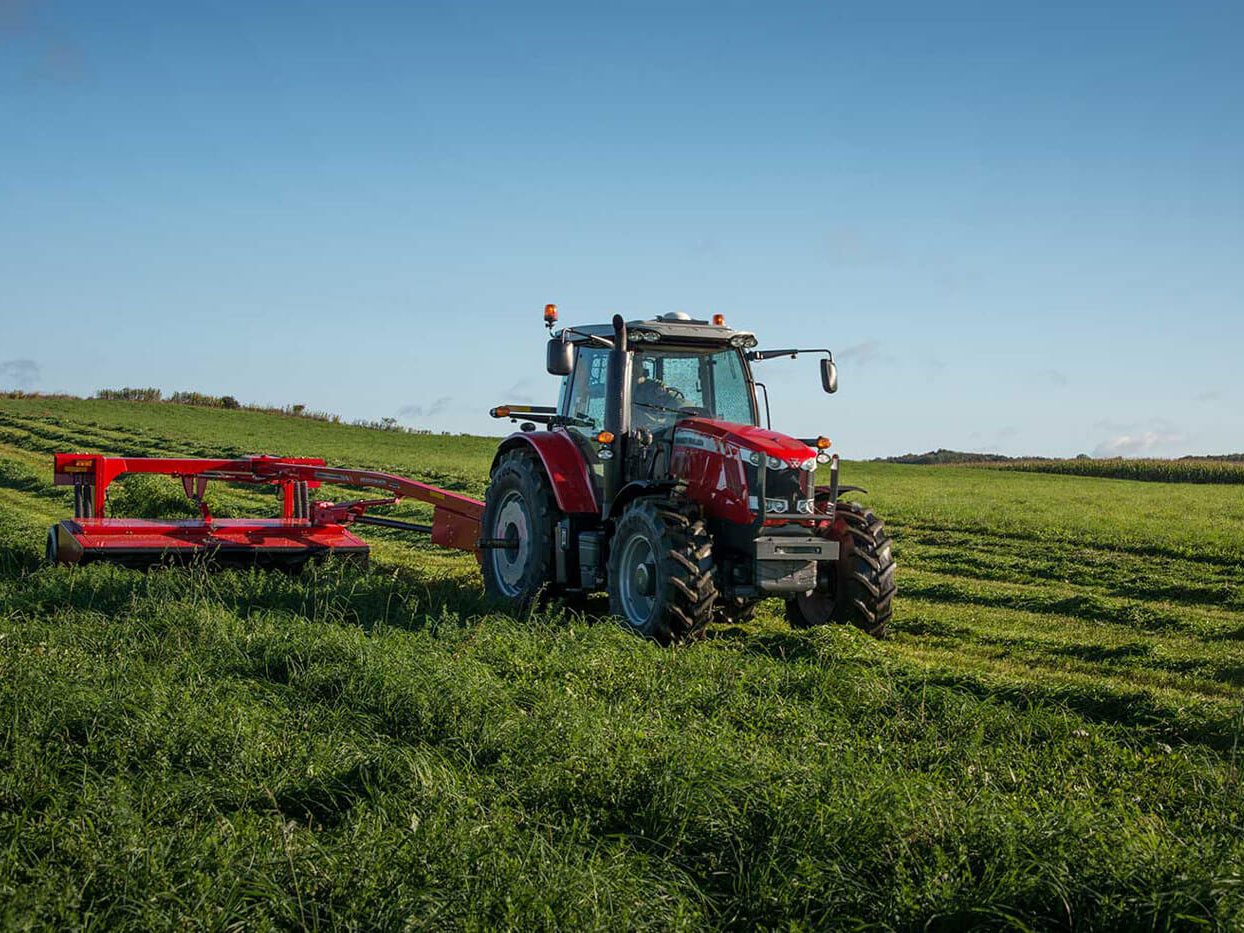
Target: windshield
x=671, y=384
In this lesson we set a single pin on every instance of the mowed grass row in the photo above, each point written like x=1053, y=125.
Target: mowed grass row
x=1050, y=738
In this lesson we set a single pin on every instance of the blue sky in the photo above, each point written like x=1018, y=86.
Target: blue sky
x=1020, y=225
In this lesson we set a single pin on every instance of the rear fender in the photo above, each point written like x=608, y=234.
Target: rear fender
x=563, y=463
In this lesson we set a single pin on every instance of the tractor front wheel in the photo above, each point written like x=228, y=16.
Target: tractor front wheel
x=859, y=587
x=661, y=570
x=736, y=610
x=520, y=517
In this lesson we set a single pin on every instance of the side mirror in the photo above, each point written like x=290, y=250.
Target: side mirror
x=829, y=375
x=560, y=357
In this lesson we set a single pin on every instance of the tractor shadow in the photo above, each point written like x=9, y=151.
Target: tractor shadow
x=334, y=592
x=778, y=645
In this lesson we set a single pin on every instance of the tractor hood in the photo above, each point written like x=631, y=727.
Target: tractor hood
x=722, y=435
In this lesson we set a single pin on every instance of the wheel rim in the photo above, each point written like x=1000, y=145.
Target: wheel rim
x=513, y=525
x=637, y=585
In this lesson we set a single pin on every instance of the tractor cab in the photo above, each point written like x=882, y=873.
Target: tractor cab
x=675, y=369
x=655, y=481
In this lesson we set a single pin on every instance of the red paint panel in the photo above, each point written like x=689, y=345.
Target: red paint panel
x=455, y=530
x=713, y=469
x=100, y=536
x=717, y=482
x=564, y=463
x=770, y=443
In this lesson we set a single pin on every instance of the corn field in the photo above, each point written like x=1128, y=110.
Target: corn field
x=1189, y=470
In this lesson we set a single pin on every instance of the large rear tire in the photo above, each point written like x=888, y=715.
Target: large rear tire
x=519, y=508
x=859, y=587
x=661, y=570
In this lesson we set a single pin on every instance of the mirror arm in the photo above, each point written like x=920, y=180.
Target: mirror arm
x=758, y=356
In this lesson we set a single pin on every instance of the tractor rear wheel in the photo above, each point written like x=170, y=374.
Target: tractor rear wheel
x=519, y=509
x=860, y=586
x=661, y=570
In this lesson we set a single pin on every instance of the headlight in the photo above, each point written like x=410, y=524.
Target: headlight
x=744, y=341
x=646, y=336
x=823, y=457
x=776, y=505
x=756, y=458
x=775, y=464
x=806, y=506
x=809, y=465
x=605, y=453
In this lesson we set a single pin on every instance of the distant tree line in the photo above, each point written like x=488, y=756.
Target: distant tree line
x=942, y=455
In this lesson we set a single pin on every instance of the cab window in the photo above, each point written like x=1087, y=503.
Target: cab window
x=583, y=398
x=671, y=384
x=584, y=395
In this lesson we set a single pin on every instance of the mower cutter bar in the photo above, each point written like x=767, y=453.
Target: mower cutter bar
x=306, y=529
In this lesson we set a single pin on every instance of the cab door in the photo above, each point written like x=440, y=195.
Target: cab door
x=584, y=396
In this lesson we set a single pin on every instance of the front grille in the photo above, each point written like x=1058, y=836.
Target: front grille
x=786, y=490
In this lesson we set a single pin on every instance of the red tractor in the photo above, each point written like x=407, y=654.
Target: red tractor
x=654, y=480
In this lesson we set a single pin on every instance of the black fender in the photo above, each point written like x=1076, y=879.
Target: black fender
x=636, y=488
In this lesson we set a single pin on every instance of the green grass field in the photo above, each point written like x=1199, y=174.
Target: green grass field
x=1051, y=737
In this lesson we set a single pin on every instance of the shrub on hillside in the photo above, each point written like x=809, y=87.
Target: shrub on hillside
x=205, y=401
x=20, y=393
x=129, y=394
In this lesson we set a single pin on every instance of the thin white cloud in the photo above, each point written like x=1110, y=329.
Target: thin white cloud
x=1054, y=377
x=521, y=393
x=1136, y=445
x=426, y=409
x=860, y=353
x=19, y=374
